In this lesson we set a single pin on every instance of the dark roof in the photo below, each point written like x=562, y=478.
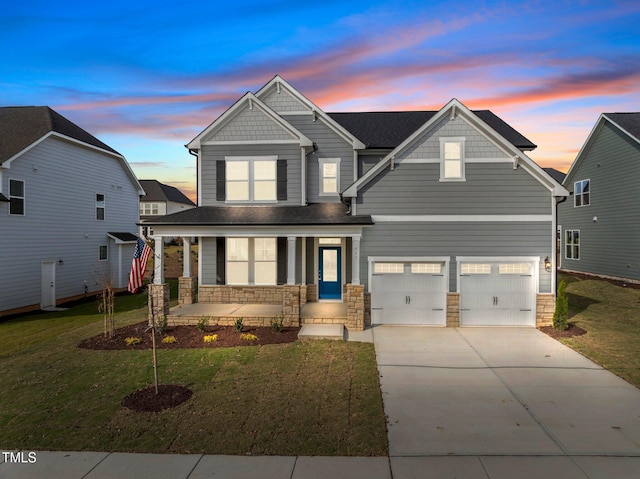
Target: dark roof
x=125, y=237
x=3, y=198
x=21, y=126
x=387, y=129
x=555, y=174
x=313, y=214
x=156, y=191
x=630, y=122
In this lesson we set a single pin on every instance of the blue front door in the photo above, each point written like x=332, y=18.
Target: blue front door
x=329, y=275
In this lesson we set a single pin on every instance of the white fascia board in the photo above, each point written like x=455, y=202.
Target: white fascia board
x=119, y=241
x=461, y=218
x=326, y=119
x=258, y=231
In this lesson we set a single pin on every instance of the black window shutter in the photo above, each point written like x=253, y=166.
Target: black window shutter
x=282, y=260
x=221, y=180
x=282, y=180
x=220, y=261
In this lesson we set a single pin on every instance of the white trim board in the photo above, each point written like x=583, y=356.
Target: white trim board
x=460, y=218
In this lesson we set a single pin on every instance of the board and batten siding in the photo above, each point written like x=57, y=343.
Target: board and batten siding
x=210, y=154
x=61, y=183
x=328, y=145
x=609, y=246
x=208, y=260
x=450, y=239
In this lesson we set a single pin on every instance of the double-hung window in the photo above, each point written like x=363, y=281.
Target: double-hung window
x=148, y=209
x=251, y=261
x=572, y=244
x=452, y=159
x=329, y=176
x=100, y=207
x=581, y=193
x=16, y=197
x=251, y=179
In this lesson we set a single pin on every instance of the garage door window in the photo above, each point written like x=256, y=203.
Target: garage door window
x=513, y=268
x=381, y=268
x=426, y=268
x=475, y=268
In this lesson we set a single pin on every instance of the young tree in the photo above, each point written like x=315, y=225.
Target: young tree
x=561, y=313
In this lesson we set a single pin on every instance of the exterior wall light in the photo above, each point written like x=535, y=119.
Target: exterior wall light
x=547, y=265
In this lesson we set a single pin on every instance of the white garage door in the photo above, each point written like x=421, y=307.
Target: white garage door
x=409, y=293
x=497, y=293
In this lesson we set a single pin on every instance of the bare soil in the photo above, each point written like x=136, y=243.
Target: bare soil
x=570, y=332
x=167, y=397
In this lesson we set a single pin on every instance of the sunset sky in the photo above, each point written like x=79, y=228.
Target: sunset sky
x=146, y=77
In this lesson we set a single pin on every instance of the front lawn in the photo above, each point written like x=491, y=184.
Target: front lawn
x=309, y=398
x=611, y=316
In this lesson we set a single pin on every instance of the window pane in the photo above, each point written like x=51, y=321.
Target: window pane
x=265, y=249
x=329, y=241
x=568, y=251
x=576, y=252
x=237, y=170
x=585, y=187
x=329, y=185
x=16, y=188
x=237, y=273
x=237, y=249
x=329, y=170
x=265, y=273
x=330, y=265
x=389, y=268
x=264, y=170
x=452, y=169
x=578, y=200
x=578, y=187
x=576, y=237
x=100, y=201
x=517, y=268
x=426, y=268
x=237, y=191
x=103, y=253
x=100, y=213
x=264, y=191
x=585, y=198
x=16, y=206
x=452, y=151
x=473, y=268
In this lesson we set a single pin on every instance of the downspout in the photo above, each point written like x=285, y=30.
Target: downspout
x=197, y=175
x=564, y=198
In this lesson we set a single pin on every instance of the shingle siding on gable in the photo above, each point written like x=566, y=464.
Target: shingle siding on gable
x=283, y=102
x=251, y=125
x=611, y=245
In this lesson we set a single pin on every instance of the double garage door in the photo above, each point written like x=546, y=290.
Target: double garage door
x=492, y=292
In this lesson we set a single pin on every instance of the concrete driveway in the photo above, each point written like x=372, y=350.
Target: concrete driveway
x=501, y=392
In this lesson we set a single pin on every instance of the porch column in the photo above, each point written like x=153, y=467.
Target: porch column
x=291, y=260
x=186, y=257
x=158, y=260
x=355, y=260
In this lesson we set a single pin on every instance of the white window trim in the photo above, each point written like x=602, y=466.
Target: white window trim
x=575, y=196
x=453, y=139
x=251, y=262
x=107, y=249
x=251, y=160
x=572, y=244
x=321, y=163
x=147, y=209
x=23, y=197
x=104, y=207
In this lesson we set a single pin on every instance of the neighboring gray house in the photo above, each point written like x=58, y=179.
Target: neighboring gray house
x=600, y=224
x=422, y=217
x=68, y=211
x=161, y=200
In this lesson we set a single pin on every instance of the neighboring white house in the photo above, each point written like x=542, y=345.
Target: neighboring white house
x=68, y=211
x=161, y=200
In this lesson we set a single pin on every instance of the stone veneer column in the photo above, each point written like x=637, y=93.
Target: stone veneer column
x=453, y=310
x=159, y=300
x=291, y=305
x=355, y=307
x=187, y=288
x=545, y=306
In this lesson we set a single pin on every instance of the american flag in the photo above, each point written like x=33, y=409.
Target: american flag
x=138, y=265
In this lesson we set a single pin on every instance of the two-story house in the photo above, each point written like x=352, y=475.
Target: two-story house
x=419, y=217
x=599, y=224
x=68, y=211
x=160, y=200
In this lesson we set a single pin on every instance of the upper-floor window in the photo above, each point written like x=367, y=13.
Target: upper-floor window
x=251, y=179
x=16, y=197
x=572, y=244
x=103, y=253
x=452, y=159
x=581, y=193
x=100, y=207
x=147, y=209
x=329, y=176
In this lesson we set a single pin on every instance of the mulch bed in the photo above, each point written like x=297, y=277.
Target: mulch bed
x=570, y=332
x=190, y=337
x=146, y=400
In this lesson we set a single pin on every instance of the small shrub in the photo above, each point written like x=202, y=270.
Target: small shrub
x=248, y=337
x=132, y=341
x=203, y=322
x=277, y=323
x=169, y=340
x=561, y=313
x=239, y=324
x=211, y=338
x=162, y=324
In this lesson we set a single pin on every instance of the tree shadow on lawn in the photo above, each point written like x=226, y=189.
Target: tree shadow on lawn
x=578, y=303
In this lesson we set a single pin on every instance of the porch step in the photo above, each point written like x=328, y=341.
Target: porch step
x=322, y=331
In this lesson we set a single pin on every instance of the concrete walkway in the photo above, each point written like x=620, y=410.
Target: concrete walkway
x=462, y=403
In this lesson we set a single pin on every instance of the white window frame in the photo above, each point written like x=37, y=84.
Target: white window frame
x=103, y=206
x=146, y=209
x=573, y=244
x=23, y=197
x=251, y=161
x=251, y=261
x=443, y=142
x=321, y=175
x=106, y=249
x=581, y=194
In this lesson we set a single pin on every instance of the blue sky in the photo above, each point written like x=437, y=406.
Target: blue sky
x=146, y=77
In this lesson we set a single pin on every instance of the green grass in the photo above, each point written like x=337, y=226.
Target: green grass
x=311, y=398
x=611, y=316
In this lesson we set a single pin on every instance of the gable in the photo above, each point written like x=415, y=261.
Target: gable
x=282, y=101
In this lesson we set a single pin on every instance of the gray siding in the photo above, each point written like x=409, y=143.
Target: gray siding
x=610, y=246
x=283, y=102
x=458, y=239
x=207, y=257
x=248, y=125
x=61, y=183
x=490, y=188
x=329, y=145
x=211, y=154
x=366, y=162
